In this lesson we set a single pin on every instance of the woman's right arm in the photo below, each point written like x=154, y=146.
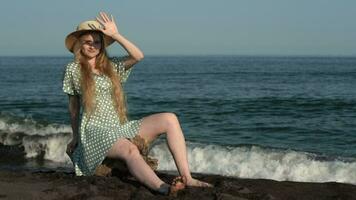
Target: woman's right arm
x=74, y=111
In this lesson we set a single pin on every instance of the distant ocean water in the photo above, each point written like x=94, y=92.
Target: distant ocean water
x=282, y=118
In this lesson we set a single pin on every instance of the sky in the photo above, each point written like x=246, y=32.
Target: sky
x=187, y=27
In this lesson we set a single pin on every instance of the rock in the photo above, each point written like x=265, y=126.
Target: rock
x=121, y=186
x=225, y=196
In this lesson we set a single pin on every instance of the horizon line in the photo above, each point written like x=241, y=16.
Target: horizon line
x=205, y=55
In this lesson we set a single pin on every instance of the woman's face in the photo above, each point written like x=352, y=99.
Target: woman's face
x=91, y=45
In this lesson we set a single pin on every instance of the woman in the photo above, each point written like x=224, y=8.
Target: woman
x=94, y=82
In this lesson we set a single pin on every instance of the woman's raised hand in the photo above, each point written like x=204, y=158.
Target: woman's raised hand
x=109, y=27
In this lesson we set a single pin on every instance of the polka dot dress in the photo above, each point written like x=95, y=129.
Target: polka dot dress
x=102, y=129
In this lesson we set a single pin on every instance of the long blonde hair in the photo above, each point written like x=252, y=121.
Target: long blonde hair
x=103, y=64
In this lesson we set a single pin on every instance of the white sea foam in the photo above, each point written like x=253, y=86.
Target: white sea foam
x=30, y=127
x=50, y=140
x=52, y=146
x=257, y=162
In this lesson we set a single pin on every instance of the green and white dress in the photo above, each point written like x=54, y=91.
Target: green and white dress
x=98, y=132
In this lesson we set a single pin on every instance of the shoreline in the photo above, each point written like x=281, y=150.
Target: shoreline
x=61, y=185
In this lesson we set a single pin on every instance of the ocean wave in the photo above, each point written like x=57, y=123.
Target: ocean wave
x=11, y=123
x=259, y=162
x=49, y=140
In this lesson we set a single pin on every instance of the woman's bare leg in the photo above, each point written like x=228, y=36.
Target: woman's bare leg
x=156, y=124
x=127, y=151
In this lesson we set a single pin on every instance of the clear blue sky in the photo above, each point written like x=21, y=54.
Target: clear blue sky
x=188, y=27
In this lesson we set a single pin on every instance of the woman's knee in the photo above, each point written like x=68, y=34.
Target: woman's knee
x=170, y=119
x=157, y=124
x=123, y=149
x=133, y=150
x=130, y=151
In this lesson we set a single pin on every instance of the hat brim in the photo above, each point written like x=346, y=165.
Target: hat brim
x=74, y=36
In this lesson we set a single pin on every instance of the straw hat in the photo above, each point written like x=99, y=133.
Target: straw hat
x=82, y=27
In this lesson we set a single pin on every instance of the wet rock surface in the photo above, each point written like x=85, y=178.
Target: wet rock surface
x=121, y=185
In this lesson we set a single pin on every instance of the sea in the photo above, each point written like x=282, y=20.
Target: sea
x=260, y=117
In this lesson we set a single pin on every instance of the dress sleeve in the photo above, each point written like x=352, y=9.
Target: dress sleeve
x=118, y=63
x=68, y=82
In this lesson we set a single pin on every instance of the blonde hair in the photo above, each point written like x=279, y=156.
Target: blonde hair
x=102, y=64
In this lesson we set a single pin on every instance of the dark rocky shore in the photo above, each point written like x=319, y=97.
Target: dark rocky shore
x=61, y=186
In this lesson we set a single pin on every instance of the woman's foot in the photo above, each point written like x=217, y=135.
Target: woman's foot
x=178, y=184
x=196, y=183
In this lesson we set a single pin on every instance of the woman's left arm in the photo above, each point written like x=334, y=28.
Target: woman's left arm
x=110, y=29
